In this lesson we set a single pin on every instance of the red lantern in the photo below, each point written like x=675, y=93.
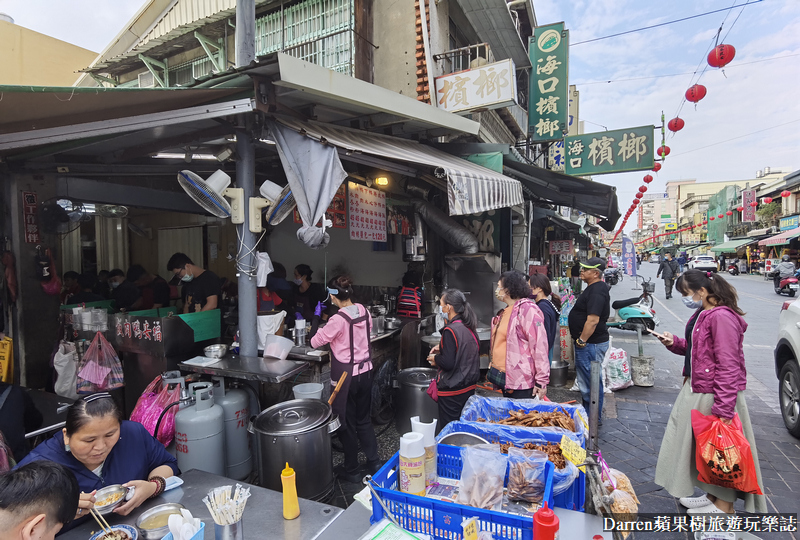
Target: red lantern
x=639, y=195
x=635, y=202
x=642, y=189
x=721, y=216
x=647, y=179
x=711, y=218
x=676, y=124
x=767, y=200
x=740, y=208
x=728, y=213
x=721, y=56
x=705, y=222
x=662, y=151
x=785, y=193
x=656, y=167
x=696, y=93
x=754, y=204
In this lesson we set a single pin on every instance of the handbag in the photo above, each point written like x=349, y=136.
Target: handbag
x=433, y=390
x=496, y=377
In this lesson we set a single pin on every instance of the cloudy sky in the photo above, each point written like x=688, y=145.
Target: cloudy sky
x=749, y=120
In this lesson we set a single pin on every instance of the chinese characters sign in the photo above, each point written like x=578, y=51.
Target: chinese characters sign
x=606, y=152
x=488, y=87
x=548, y=108
x=555, y=154
x=628, y=257
x=749, y=213
x=560, y=247
x=31, y=217
x=367, y=213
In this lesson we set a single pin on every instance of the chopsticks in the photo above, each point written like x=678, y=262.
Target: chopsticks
x=100, y=521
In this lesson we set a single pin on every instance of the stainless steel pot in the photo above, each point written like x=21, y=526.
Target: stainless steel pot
x=413, y=398
x=297, y=432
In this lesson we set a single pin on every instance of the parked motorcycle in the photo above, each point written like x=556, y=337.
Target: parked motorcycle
x=632, y=313
x=788, y=285
x=733, y=268
x=612, y=276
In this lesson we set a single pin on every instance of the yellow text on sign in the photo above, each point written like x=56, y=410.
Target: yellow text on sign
x=573, y=452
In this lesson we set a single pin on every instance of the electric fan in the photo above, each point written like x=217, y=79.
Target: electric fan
x=211, y=194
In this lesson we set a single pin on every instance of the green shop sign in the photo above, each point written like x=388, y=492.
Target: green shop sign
x=548, y=105
x=606, y=152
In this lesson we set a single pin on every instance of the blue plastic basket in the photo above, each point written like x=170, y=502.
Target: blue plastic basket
x=571, y=499
x=197, y=536
x=442, y=520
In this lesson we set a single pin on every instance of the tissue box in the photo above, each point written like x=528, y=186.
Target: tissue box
x=198, y=536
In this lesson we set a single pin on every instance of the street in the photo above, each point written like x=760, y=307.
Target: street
x=631, y=442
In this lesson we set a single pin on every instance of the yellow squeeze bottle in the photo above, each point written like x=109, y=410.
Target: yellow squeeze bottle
x=291, y=507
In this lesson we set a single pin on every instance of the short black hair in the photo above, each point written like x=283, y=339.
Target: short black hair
x=86, y=281
x=85, y=409
x=278, y=270
x=116, y=272
x=515, y=283
x=40, y=487
x=411, y=279
x=102, y=273
x=71, y=274
x=135, y=272
x=178, y=261
x=304, y=270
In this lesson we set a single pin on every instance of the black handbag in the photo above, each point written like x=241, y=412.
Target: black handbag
x=497, y=377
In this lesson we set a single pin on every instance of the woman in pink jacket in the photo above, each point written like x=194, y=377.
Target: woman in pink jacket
x=714, y=382
x=519, y=348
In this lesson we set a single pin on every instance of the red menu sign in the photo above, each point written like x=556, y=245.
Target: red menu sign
x=30, y=213
x=367, y=213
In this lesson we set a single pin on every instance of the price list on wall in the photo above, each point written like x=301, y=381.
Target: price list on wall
x=367, y=213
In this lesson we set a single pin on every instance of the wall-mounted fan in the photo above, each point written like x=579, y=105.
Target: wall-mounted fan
x=62, y=216
x=280, y=202
x=139, y=231
x=111, y=210
x=211, y=194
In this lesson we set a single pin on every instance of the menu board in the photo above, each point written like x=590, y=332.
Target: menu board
x=367, y=213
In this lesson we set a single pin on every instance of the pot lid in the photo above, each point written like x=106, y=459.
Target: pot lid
x=293, y=417
x=418, y=376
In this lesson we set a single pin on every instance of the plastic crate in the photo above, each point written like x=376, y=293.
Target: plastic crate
x=494, y=409
x=442, y=520
x=572, y=499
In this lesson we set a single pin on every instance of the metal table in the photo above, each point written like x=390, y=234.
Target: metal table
x=263, y=515
x=53, y=408
x=250, y=368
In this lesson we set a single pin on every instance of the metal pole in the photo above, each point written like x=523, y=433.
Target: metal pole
x=639, y=338
x=594, y=402
x=245, y=32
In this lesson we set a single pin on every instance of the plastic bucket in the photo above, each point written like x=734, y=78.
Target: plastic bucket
x=308, y=391
x=277, y=347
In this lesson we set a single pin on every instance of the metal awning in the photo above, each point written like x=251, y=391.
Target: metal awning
x=470, y=187
x=732, y=245
x=779, y=239
x=492, y=21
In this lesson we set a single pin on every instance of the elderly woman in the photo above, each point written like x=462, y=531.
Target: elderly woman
x=87, y=446
x=519, y=348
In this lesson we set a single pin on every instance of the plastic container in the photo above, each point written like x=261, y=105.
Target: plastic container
x=308, y=391
x=442, y=520
x=545, y=524
x=428, y=431
x=411, y=459
x=291, y=506
x=572, y=499
x=277, y=347
x=199, y=535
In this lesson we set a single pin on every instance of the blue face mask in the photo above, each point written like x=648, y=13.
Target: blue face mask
x=691, y=303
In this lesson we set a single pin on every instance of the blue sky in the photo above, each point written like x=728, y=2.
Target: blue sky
x=753, y=97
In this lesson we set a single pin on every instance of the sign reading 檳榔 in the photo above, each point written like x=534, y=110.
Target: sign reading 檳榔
x=548, y=107
x=606, y=152
x=491, y=86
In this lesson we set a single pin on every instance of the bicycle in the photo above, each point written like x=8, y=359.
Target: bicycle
x=648, y=288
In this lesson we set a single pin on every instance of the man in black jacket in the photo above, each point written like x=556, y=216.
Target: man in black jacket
x=669, y=270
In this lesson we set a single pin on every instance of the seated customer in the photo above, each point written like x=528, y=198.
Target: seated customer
x=153, y=289
x=18, y=416
x=86, y=284
x=70, y=286
x=123, y=292
x=36, y=501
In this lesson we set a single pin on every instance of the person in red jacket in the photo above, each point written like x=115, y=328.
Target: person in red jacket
x=714, y=382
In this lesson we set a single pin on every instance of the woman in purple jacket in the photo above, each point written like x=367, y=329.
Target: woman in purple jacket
x=714, y=369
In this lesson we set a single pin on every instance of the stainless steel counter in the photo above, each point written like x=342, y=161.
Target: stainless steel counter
x=303, y=353
x=263, y=515
x=251, y=368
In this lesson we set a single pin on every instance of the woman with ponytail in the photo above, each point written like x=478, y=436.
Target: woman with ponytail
x=550, y=304
x=714, y=382
x=457, y=357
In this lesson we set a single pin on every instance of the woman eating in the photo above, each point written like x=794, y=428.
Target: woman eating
x=520, y=365
x=714, y=369
x=348, y=333
x=457, y=357
x=550, y=304
x=102, y=449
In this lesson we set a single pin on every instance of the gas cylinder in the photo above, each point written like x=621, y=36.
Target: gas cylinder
x=236, y=407
x=200, y=432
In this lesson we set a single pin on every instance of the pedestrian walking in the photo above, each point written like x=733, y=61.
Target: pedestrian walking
x=714, y=382
x=457, y=357
x=587, y=325
x=669, y=270
x=575, y=278
x=681, y=262
x=519, y=357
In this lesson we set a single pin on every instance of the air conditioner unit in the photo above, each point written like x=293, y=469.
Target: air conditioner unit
x=146, y=80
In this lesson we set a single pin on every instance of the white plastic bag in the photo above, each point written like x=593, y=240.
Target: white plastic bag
x=263, y=268
x=617, y=370
x=66, y=363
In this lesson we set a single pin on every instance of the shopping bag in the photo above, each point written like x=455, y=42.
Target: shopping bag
x=723, y=455
x=65, y=362
x=99, y=369
x=617, y=369
x=155, y=398
x=7, y=360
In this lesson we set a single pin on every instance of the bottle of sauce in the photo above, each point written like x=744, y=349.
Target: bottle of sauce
x=545, y=524
x=412, y=464
x=291, y=506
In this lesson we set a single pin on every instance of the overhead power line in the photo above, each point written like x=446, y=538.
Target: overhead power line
x=735, y=138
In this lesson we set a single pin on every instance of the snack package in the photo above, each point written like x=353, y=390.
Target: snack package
x=622, y=482
x=482, y=476
x=446, y=489
x=526, y=475
x=623, y=504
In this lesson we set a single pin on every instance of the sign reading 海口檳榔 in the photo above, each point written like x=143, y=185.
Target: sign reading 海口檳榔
x=548, y=106
x=621, y=150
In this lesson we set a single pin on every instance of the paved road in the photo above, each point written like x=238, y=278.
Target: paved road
x=632, y=441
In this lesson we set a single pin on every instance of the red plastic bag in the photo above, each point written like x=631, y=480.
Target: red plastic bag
x=151, y=404
x=99, y=370
x=723, y=455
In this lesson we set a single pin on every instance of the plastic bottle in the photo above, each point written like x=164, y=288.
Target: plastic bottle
x=412, y=464
x=291, y=507
x=428, y=431
x=545, y=524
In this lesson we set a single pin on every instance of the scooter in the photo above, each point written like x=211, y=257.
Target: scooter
x=788, y=285
x=612, y=276
x=632, y=313
x=733, y=268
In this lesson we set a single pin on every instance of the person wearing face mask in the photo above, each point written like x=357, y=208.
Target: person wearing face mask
x=550, y=304
x=714, y=382
x=123, y=292
x=201, y=289
x=456, y=357
x=308, y=297
x=348, y=333
x=519, y=347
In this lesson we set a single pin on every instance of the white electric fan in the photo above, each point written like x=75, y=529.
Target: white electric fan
x=279, y=200
x=211, y=194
